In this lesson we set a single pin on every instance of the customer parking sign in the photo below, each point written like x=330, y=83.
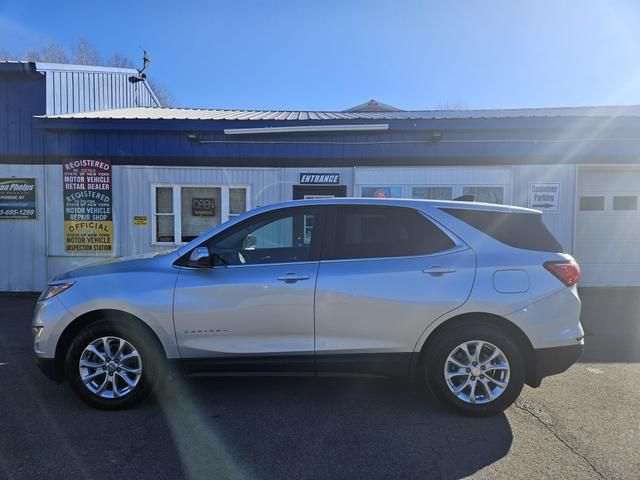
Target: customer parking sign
x=544, y=196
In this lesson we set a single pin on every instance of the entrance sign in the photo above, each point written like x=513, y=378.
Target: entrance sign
x=17, y=198
x=319, y=178
x=544, y=196
x=88, y=216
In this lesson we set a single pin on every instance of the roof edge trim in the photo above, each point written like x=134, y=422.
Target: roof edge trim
x=307, y=129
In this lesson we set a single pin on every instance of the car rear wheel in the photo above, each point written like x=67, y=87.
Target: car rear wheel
x=111, y=365
x=475, y=368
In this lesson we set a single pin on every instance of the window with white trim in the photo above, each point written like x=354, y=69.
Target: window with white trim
x=485, y=193
x=432, y=192
x=184, y=212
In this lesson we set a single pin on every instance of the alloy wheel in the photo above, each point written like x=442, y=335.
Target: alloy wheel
x=477, y=372
x=110, y=367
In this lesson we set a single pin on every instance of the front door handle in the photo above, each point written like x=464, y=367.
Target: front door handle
x=293, y=277
x=436, y=271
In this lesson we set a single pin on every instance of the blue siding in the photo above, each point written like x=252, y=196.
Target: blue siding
x=154, y=146
x=21, y=97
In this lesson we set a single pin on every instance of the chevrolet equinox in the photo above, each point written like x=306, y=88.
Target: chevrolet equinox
x=472, y=300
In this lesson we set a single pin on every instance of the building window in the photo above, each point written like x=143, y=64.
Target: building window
x=592, y=203
x=184, y=212
x=432, y=193
x=626, y=202
x=381, y=192
x=237, y=201
x=485, y=194
x=164, y=217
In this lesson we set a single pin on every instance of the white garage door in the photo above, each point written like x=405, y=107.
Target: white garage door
x=608, y=226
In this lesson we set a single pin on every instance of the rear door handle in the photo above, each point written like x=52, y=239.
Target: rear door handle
x=293, y=277
x=437, y=271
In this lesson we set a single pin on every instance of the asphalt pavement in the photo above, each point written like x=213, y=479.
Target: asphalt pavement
x=584, y=423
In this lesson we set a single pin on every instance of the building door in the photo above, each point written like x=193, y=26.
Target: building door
x=607, y=226
x=301, y=192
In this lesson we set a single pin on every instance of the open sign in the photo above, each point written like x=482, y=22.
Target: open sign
x=203, y=207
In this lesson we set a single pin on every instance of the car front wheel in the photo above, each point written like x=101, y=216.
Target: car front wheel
x=111, y=366
x=475, y=368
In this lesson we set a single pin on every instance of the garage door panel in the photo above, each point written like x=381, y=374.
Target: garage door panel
x=596, y=252
x=608, y=228
x=607, y=242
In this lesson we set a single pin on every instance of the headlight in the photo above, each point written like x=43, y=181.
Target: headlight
x=53, y=290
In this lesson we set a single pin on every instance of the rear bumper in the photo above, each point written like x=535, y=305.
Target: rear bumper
x=552, y=361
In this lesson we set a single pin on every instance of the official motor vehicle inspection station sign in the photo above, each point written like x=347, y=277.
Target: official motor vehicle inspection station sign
x=88, y=217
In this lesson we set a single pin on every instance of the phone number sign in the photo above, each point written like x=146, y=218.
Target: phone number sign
x=88, y=215
x=17, y=198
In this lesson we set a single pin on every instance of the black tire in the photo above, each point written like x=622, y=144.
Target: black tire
x=151, y=358
x=440, y=347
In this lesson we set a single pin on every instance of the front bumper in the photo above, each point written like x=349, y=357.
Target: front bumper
x=50, y=368
x=552, y=361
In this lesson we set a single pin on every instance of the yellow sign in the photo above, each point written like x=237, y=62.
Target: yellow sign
x=139, y=220
x=88, y=237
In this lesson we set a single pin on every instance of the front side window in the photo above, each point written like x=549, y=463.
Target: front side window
x=281, y=237
x=368, y=231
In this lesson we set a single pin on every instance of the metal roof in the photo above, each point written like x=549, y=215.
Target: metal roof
x=373, y=106
x=150, y=113
x=61, y=67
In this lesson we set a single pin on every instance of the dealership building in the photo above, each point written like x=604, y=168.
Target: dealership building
x=92, y=167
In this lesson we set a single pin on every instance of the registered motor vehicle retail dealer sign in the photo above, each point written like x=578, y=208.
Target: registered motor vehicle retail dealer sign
x=17, y=198
x=544, y=196
x=88, y=218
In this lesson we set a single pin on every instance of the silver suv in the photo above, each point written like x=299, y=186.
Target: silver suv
x=472, y=300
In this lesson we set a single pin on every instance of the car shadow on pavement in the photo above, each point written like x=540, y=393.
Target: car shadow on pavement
x=284, y=427
x=611, y=320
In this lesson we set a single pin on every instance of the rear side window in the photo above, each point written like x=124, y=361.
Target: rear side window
x=364, y=231
x=520, y=230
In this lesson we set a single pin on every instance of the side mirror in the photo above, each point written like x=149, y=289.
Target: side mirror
x=200, y=257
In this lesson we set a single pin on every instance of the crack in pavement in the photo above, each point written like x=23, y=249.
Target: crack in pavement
x=521, y=406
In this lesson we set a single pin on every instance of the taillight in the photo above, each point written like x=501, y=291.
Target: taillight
x=567, y=271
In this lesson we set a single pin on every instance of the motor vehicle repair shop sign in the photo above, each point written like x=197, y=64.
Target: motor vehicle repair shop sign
x=88, y=218
x=17, y=198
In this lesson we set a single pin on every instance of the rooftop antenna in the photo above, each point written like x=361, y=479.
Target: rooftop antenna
x=146, y=61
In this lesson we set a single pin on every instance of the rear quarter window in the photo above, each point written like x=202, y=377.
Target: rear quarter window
x=516, y=229
x=371, y=231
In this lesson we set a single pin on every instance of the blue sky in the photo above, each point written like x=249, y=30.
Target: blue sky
x=332, y=54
